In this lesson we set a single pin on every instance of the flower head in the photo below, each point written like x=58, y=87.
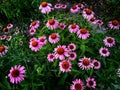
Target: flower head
x=32, y=31
x=83, y=33
x=52, y=24
x=73, y=28
x=62, y=26
x=61, y=52
x=65, y=66
x=16, y=74
x=74, y=9
x=43, y=40
x=3, y=37
x=109, y=41
x=71, y=47
x=91, y=83
x=54, y=38
x=9, y=26
x=114, y=24
x=85, y=63
x=96, y=64
x=45, y=7
x=35, y=45
x=35, y=24
x=51, y=57
x=3, y=50
x=6, y=30
x=104, y=52
x=77, y=85
x=72, y=56
x=87, y=13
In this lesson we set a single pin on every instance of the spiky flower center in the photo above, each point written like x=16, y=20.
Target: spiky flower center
x=73, y=26
x=104, y=51
x=79, y=5
x=78, y=86
x=2, y=48
x=65, y=65
x=60, y=50
x=74, y=7
x=91, y=83
x=71, y=46
x=33, y=23
x=5, y=30
x=51, y=21
x=34, y=43
x=96, y=64
x=72, y=55
x=88, y=11
x=115, y=22
x=83, y=31
x=109, y=40
x=15, y=73
x=53, y=36
x=32, y=30
x=44, y=4
x=92, y=19
x=86, y=62
x=51, y=56
x=42, y=39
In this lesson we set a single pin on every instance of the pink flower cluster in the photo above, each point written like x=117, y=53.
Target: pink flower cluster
x=65, y=54
x=79, y=85
x=86, y=63
x=36, y=44
x=33, y=26
x=108, y=42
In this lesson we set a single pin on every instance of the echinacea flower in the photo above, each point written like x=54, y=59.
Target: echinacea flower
x=54, y=38
x=99, y=22
x=32, y=31
x=61, y=52
x=9, y=26
x=73, y=28
x=74, y=9
x=16, y=31
x=51, y=57
x=3, y=50
x=8, y=38
x=114, y=24
x=96, y=64
x=65, y=66
x=16, y=74
x=83, y=33
x=85, y=63
x=92, y=20
x=21, y=43
x=45, y=7
x=35, y=45
x=6, y=30
x=80, y=6
x=91, y=83
x=87, y=13
x=104, y=52
x=57, y=6
x=63, y=6
x=43, y=40
x=52, y=24
x=62, y=26
x=71, y=47
x=72, y=56
x=109, y=41
x=3, y=37
x=77, y=85
x=35, y=24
